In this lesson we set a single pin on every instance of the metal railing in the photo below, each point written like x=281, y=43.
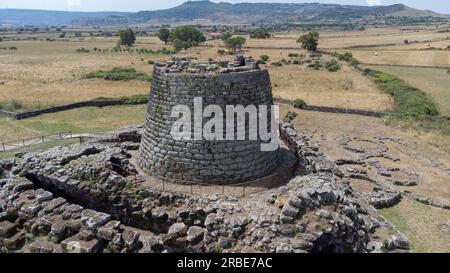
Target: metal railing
x=27, y=142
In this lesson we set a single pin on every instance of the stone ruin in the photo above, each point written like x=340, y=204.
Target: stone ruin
x=91, y=198
x=178, y=82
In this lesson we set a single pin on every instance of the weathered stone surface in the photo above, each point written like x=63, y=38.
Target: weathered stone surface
x=195, y=234
x=219, y=161
x=76, y=244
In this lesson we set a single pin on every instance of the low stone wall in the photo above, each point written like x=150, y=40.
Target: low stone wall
x=337, y=110
x=34, y=113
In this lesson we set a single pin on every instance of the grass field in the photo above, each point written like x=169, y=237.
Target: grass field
x=440, y=58
x=43, y=73
x=435, y=82
x=83, y=120
x=418, y=223
x=346, y=88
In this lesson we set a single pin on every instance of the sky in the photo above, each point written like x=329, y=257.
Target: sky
x=442, y=6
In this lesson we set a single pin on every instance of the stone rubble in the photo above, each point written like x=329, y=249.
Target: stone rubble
x=89, y=198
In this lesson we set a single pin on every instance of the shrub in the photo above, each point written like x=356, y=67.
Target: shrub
x=264, y=57
x=316, y=65
x=299, y=103
x=165, y=51
x=12, y=105
x=220, y=51
x=119, y=74
x=82, y=50
x=12, y=48
x=297, y=61
x=333, y=66
x=62, y=35
x=135, y=99
x=448, y=70
x=347, y=56
x=409, y=100
x=278, y=63
x=294, y=55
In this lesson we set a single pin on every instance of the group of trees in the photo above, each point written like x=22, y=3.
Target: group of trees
x=234, y=43
x=260, y=33
x=182, y=37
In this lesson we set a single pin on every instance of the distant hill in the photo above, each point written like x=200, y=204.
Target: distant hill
x=210, y=12
x=226, y=13
x=48, y=17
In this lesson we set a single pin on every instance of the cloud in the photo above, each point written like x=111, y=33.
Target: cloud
x=374, y=2
x=73, y=2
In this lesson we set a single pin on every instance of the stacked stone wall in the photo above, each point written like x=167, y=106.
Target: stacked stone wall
x=216, y=161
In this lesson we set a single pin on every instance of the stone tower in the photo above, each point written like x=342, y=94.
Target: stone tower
x=178, y=82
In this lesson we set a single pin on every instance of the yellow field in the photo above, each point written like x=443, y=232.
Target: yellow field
x=346, y=88
x=438, y=58
x=42, y=73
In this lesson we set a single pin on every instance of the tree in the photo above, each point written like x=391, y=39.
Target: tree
x=309, y=41
x=127, y=37
x=260, y=33
x=226, y=36
x=185, y=37
x=235, y=43
x=164, y=34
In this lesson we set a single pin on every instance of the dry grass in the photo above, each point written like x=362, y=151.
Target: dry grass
x=42, y=73
x=423, y=225
x=439, y=58
x=83, y=120
x=346, y=88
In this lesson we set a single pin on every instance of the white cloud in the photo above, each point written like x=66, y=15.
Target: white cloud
x=73, y=2
x=374, y=2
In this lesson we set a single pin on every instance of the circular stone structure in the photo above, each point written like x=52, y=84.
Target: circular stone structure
x=178, y=82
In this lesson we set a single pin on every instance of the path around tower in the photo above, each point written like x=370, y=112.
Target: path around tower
x=288, y=167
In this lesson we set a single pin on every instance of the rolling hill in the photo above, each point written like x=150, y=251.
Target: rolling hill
x=225, y=13
x=257, y=13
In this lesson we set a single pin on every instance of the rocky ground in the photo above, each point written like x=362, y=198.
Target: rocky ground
x=89, y=198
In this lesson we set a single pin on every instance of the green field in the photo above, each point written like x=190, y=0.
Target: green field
x=83, y=120
x=433, y=81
